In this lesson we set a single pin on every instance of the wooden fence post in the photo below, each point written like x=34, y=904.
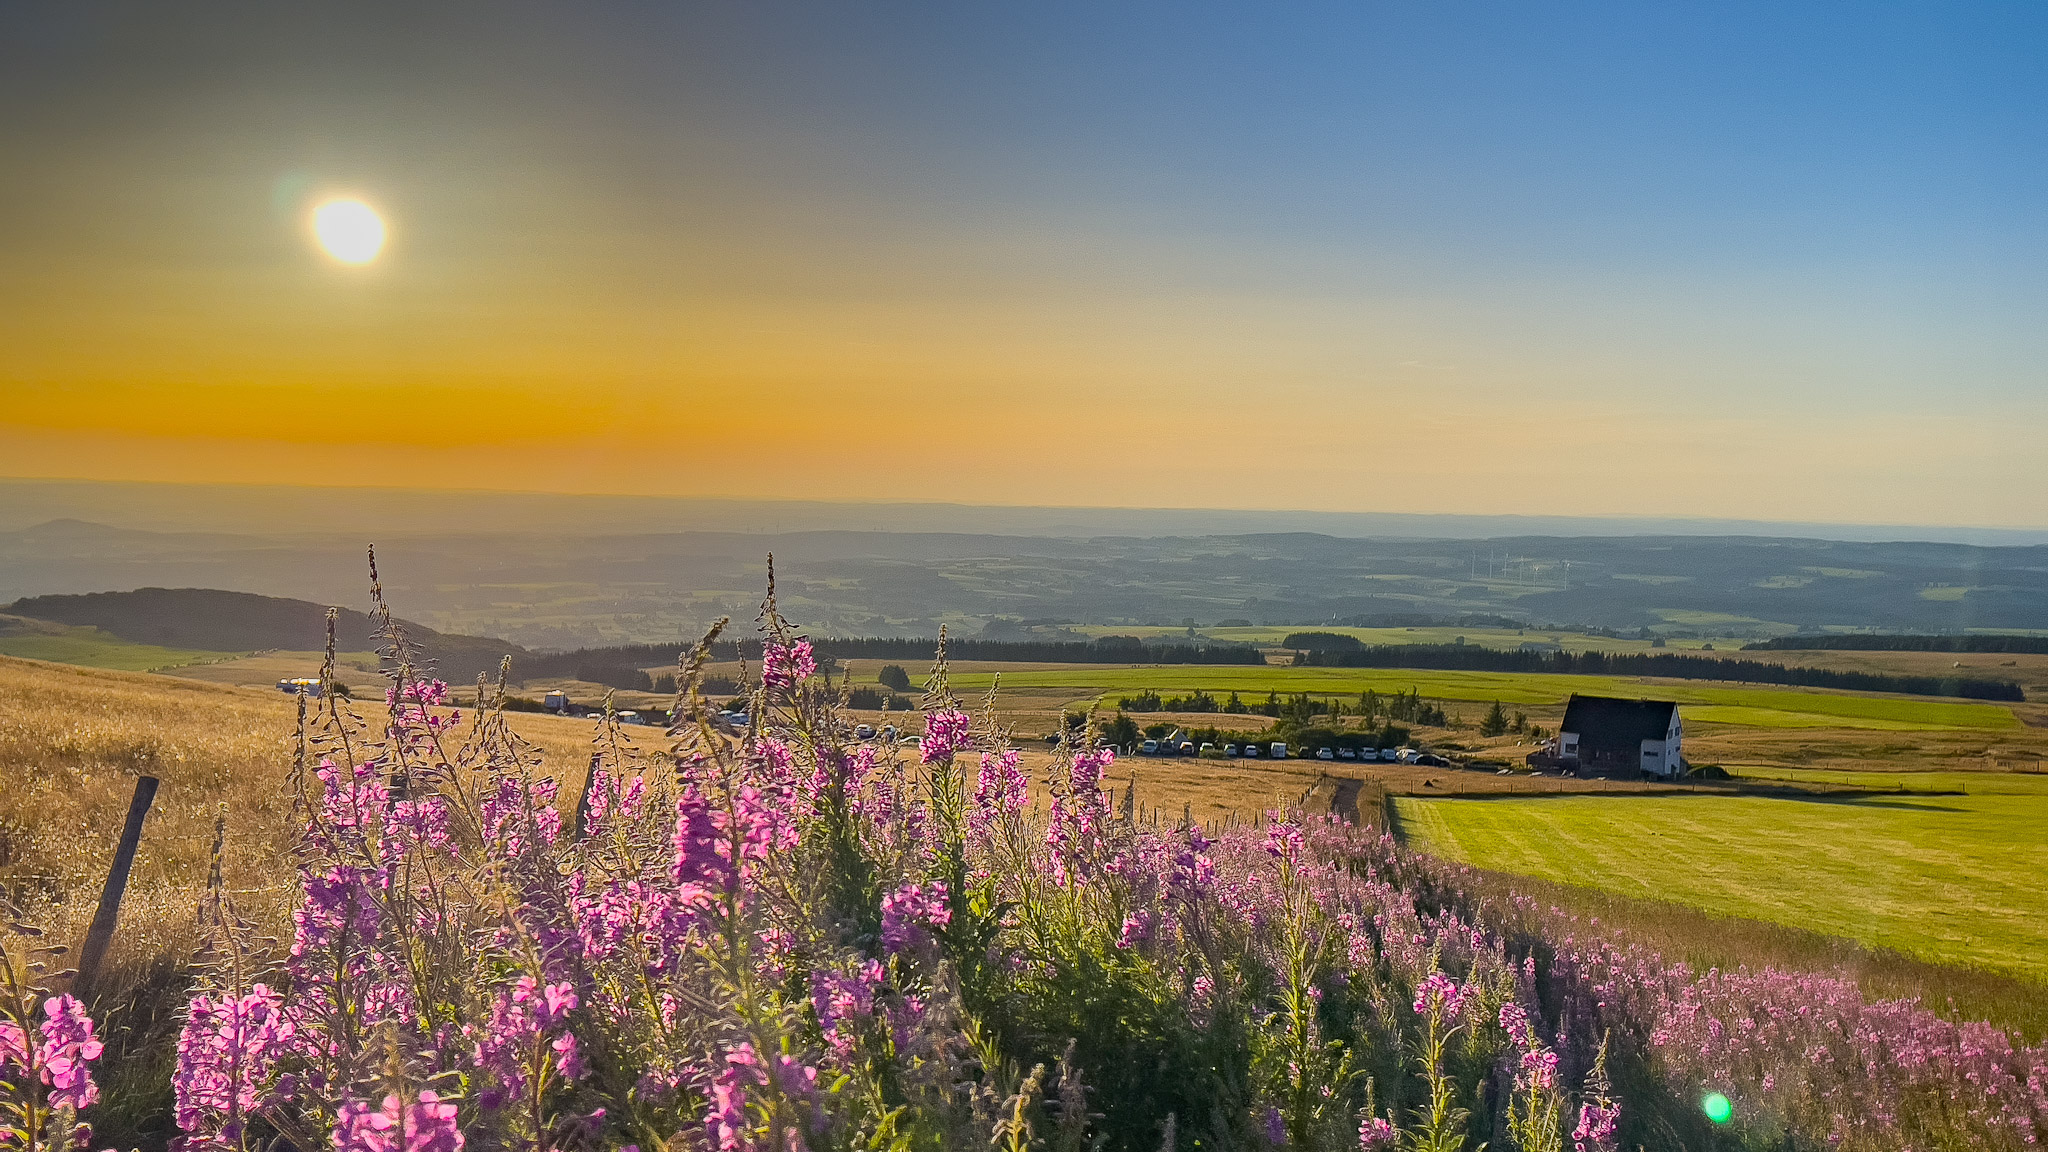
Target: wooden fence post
x=583, y=801
x=101, y=934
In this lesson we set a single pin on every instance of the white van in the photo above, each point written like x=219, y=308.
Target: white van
x=1279, y=750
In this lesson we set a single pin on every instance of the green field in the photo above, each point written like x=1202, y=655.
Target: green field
x=95, y=649
x=1751, y=706
x=1952, y=879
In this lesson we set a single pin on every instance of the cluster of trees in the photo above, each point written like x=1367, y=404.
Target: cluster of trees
x=1866, y=643
x=1298, y=704
x=1300, y=707
x=1472, y=657
x=874, y=699
x=623, y=677
x=1498, y=723
x=1408, y=706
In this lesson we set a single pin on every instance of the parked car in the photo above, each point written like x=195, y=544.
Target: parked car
x=1404, y=755
x=1279, y=750
x=888, y=733
x=1187, y=747
x=1149, y=748
x=555, y=701
x=864, y=732
x=1206, y=748
x=1251, y=749
x=1431, y=760
x=1325, y=754
x=631, y=717
x=1230, y=749
x=1347, y=753
x=912, y=742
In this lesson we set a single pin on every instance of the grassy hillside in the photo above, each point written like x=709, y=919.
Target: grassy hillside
x=214, y=620
x=1952, y=879
x=92, y=648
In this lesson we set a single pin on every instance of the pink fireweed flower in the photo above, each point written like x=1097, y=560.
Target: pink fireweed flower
x=945, y=734
x=1538, y=1069
x=1377, y=1135
x=1000, y=791
x=226, y=1054
x=784, y=667
x=1441, y=996
x=1595, y=1132
x=1514, y=1020
x=508, y=1047
x=1284, y=838
x=1136, y=930
x=67, y=1046
x=909, y=907
x=337, y=903
x=843, y=1000
x=427, y=1126
x=726, y=1122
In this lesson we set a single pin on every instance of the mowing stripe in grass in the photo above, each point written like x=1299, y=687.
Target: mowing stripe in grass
x=1950, y=878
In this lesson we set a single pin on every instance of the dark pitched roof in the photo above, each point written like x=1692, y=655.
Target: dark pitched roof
x=1606, y=720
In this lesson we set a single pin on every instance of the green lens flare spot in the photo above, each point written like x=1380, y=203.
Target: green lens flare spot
x=1717, y=1108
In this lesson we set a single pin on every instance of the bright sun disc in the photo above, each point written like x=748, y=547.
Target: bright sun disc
x=350, y=230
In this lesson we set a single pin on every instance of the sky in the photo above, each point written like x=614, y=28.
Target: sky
x=1767, y=261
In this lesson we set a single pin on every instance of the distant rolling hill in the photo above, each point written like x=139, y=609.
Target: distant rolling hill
x=212, y=620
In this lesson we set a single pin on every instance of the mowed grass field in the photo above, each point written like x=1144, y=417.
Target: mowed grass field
x=1753, y=706
x=1949, y=879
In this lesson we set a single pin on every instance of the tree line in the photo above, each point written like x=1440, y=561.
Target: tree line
x=1870, y=643
x=1473, y=658
x=614, y=662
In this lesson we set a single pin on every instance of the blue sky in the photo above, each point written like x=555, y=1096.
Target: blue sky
x=1798, y=246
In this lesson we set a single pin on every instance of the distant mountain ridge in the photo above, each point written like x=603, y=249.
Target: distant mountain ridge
x=551, y=592
x=214, y=620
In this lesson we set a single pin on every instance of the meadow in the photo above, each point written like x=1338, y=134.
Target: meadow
x=1947, y=878
x=92, y=648
x=1293, y=984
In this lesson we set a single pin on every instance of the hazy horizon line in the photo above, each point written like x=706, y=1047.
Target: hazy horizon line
x=265, y=503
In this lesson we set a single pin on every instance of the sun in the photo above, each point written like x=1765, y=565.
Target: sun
x=350, y=230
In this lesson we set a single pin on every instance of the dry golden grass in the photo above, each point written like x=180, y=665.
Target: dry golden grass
x=72, y=743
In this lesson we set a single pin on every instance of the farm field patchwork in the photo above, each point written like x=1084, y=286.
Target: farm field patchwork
x=1754, y=706
x=1502, y=638
x=1952, y=879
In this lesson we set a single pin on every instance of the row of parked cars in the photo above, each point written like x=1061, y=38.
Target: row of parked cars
x=1278, y=750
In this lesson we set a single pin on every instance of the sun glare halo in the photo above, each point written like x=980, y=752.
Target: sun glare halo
x=350, y=230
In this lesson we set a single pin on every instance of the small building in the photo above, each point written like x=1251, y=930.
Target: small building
x=1605, y=734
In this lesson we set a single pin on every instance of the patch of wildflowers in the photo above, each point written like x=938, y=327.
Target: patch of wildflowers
x=784, y=667
x=946, y=732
